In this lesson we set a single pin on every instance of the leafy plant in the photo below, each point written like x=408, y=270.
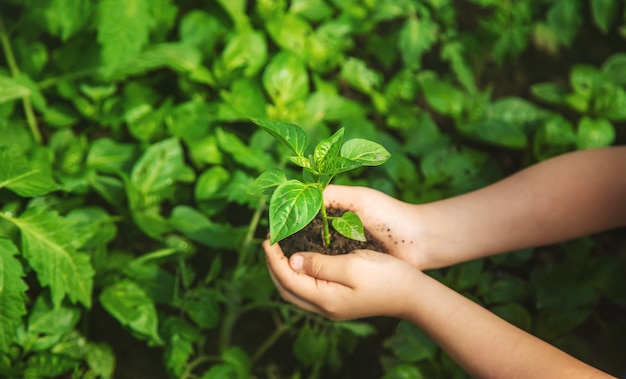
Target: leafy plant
x=127, y=233
x=295, y=203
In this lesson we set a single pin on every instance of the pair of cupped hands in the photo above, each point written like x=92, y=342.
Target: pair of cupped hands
x=362, y=283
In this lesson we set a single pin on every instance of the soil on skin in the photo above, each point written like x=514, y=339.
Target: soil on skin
x=310, y=239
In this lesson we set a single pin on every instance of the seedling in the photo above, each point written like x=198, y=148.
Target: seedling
x=295, y=203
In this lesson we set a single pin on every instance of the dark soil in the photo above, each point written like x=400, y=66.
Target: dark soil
x=310, y=239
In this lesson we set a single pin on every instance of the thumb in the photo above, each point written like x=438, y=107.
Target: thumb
x=320, y=266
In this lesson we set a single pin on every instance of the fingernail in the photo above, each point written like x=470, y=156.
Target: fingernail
x=296, y=262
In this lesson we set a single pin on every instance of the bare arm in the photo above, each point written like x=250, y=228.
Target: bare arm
x=569, y=196
x=368, y=283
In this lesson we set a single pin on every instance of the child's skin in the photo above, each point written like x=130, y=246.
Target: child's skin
x=569, y=196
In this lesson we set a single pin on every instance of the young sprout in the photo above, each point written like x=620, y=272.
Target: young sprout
x=295, y=203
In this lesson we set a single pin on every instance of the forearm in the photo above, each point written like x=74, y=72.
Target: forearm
x=568, y=196
x=482, y=343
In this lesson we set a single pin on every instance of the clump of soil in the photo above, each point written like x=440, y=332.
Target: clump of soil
x=310, y=239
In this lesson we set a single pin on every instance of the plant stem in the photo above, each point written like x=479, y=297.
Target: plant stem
x=254, y=222
x=15, y=72
x=325, y=224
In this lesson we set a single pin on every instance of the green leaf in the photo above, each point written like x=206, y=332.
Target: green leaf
x=594, y=133
x=267, y=182
x=349, y=225
x=241, y=153
x=12, y=294
x=411, y=344
x=246, y=50
x=555, y=136
x=290, y=32
x=336, y=165
x=550, y=93
x=123, y=30
x=364, y=79
x=199, y=228
x=361, y=329
x=565, y=18
x=101, y=360
x=615, y=68
x=11, y=89
x=239, y=361
x=48, y=324
x=109, y=156
x=23, y=177
x=49, y=246
x=498, y=133
x=443, y=97
x=66, y=17
x=292, y=206
x=210, y=182
x=604, y=13
x=175, y=56
x=202, y=30
x=417, y=36
x=366, y=152
x=128, y=303
x=202, y=306
x=290, y=135
x=180, y=337
x=285, y=79
x=404, y=371
x=301, y=161
x=328, y=147
x=246, y=97
x=160, y=166
x=310, y=346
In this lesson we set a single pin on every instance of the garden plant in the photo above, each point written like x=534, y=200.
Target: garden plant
x=295, y=203
x=130, y=242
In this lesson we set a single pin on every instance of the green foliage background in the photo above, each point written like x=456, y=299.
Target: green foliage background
x=129, y=246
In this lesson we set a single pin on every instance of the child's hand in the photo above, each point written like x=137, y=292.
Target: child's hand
x=393, y=222
x=360, y=284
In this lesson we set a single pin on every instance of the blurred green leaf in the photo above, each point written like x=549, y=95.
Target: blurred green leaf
x=416, y=37
x=411, y=344
x=245, y=50
x=210, y=182
x=310, y=346
x=11, y=89
x=49, y=246
x=23, y=177
x=119, y=44
x=595, y=133
x=555, y=136
x=497, y=133
x=443, y=97
x=565, y=18
x=12, y=296
x=615, y=68
x=604, y=13
x=285, y=78
x=159, y=167
x=199, y=228
x=129, y=304
x=549, y=92
x=109, y=156
x=202, y=306
x=364, y=79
